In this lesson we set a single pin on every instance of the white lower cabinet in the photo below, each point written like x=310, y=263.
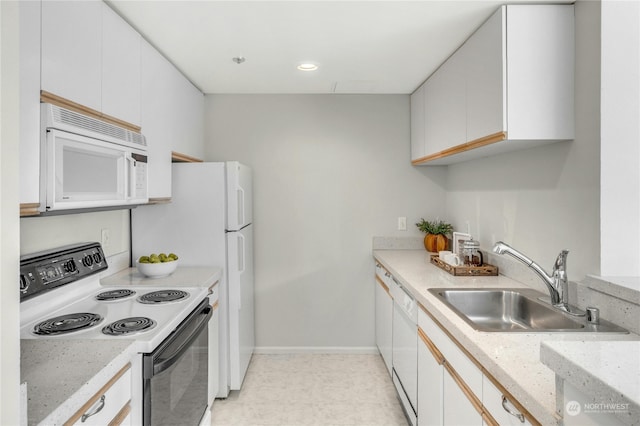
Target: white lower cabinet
x=500, y=407
x=458, y=409
x=430, y=382
x=453, y=389
x=111, y=405
x=384, y=317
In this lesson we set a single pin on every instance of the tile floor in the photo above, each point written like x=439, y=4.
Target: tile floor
x=313, y=389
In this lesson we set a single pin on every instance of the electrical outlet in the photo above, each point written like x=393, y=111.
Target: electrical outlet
x=106, y=237
x=402, y=223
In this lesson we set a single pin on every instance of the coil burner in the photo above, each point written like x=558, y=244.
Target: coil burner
x=67, y=324
x=163, y=296
x=128, y=326
x=119, y=294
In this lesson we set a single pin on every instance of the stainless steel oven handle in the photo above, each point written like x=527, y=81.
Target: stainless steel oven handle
x=188, y=340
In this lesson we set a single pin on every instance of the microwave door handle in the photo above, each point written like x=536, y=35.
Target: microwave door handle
x=130, y=183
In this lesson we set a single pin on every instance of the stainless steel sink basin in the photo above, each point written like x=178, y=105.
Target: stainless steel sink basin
x=513, y=310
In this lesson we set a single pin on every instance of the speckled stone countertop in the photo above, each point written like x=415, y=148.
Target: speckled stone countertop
x=609, y=372
x=511, y=358
x=61, y=375
x=184, y=276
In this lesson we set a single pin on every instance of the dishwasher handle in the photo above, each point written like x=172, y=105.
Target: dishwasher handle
x=404, y=300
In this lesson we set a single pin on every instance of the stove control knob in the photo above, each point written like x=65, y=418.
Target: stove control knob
x=87, y=260
x=24, y=283
x=97, y=258
x=70, y=266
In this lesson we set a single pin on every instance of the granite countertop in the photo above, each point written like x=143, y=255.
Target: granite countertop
x=184, y=276
x=61, y=377
x=511, y=358
x=609, y=372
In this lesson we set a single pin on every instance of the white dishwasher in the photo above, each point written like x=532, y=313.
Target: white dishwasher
x=405, y=349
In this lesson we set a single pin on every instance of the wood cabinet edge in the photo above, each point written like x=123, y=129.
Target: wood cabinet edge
x=473, y=399
x=74, y=106
x=431, y=346
x=458, y=149
x=122, y=414
x=29, y=209
x=159, y=200
x=384, y=286
x=177, y=157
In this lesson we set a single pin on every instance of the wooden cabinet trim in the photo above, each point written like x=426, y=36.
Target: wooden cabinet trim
x=431, y=346
x=160, y=200
x=488, y=419
x=29, y=209
x=458, y=149
x=74, y=106
x=488, y=375
x=477, y=404
x=97, y=396
x=177, y=157
x=384, y=286
x=511, y=399
x=122, y=415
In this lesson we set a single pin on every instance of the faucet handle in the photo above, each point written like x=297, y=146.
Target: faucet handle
x=560, y=264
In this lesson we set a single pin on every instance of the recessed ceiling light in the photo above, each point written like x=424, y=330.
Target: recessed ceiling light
x=307, y=67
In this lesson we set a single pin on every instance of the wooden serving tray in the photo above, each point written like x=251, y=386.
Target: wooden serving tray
x=484, y=270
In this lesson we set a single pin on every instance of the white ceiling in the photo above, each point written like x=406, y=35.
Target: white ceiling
x=359, y=46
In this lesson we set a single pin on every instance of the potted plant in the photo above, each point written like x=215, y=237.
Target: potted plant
x=437, y=231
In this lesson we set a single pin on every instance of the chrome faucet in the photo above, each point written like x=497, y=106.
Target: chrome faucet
x=557, y=282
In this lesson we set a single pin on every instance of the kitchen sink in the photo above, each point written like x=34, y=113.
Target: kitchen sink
x=514, y=310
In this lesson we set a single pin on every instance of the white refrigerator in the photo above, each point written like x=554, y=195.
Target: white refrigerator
x=209, y=223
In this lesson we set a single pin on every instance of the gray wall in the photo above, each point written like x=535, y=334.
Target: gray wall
x=547, y=198
x=330, y=172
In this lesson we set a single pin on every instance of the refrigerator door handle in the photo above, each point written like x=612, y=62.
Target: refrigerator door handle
x=240, y=207
x=241, y=265
x=241, y=249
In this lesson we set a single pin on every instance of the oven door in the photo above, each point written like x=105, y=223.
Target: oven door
x=175, y=375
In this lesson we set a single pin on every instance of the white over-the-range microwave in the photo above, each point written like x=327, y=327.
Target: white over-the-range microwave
x=87, y=163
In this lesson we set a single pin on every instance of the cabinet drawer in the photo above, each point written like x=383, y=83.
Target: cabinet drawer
x=113, y=397
x=492, y=400
x=453, y=355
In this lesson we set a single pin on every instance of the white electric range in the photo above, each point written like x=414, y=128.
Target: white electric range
x=62, y=298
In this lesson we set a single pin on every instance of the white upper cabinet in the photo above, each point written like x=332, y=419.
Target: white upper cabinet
x=417, y=123
x=156, y=117
x=509, y=86
x=172, y=118
x=91, y=56
x=445, y=107
x=485, y=76
x=71, y=50
x=29, y=107
x=120, y=68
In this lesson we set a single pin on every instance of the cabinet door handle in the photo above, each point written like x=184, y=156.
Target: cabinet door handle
x=515, y=414
x=97, y=408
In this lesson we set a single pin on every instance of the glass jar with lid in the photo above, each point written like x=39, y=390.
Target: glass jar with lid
x=471, y=254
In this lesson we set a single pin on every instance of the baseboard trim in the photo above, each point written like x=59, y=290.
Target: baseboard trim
x=359, y=350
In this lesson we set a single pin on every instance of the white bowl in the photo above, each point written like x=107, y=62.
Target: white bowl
x=157, y=270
